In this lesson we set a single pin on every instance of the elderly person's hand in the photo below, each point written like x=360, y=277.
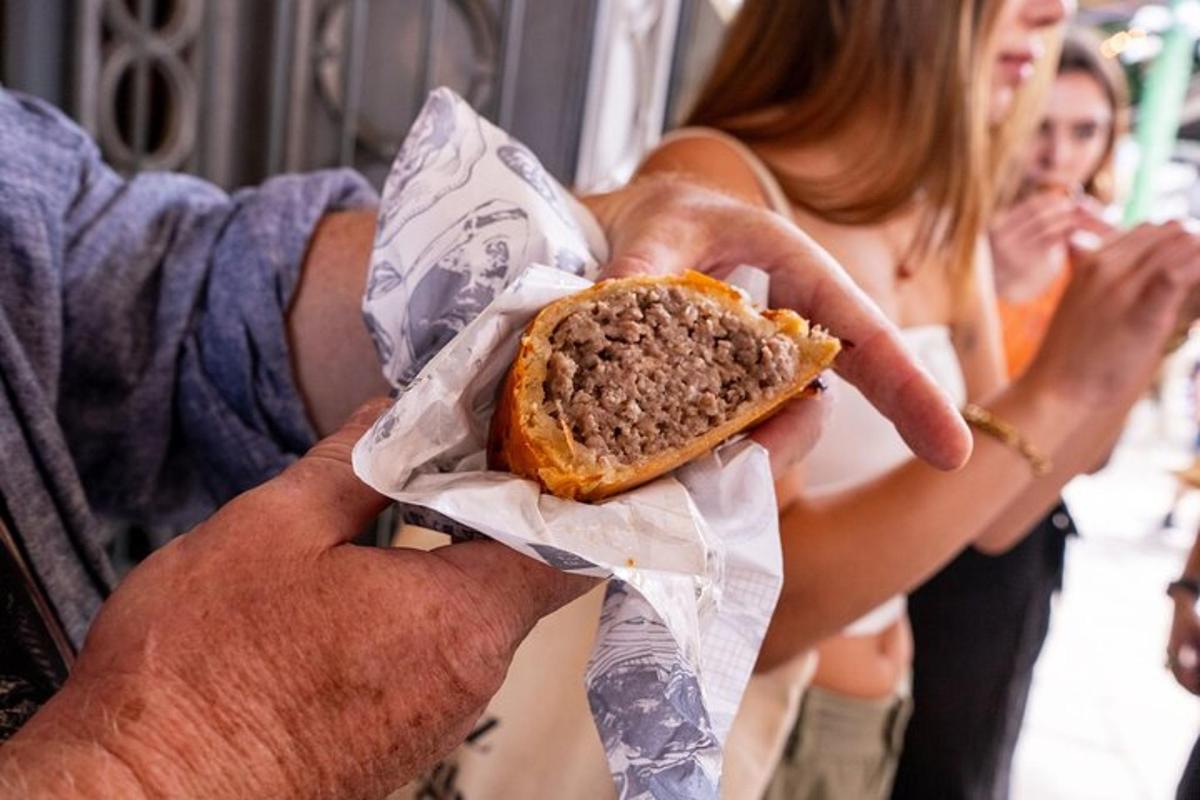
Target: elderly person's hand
x=263, y=655
x=663, y=224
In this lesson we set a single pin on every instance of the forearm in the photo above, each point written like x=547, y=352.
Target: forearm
x=333, y=359
x=910, y=522
x=1088, y=447
x=1110, y=441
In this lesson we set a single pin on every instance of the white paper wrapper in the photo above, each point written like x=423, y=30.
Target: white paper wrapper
x=474, y=238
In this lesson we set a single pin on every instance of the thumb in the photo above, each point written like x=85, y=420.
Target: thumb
x=324, y=482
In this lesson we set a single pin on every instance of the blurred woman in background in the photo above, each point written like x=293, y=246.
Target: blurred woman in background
x=970, y=680
x=1065, y=184
x=881, y=128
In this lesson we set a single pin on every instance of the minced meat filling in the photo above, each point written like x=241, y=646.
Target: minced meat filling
x=650, y=369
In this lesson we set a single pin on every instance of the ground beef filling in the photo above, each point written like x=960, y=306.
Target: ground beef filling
x=652, y=368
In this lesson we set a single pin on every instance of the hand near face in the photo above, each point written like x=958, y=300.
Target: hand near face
x=1029, y=241
x=1113, y=323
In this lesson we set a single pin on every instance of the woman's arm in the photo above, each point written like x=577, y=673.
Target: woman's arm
x=847, y=553
x=844, y=554
x=1100, y=353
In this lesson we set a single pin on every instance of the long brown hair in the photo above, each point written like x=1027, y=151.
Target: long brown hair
x=802, y=71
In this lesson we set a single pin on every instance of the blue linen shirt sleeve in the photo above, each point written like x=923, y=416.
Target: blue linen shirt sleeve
x=175, y=390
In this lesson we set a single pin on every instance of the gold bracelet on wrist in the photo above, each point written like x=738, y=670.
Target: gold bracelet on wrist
x=1007, y=434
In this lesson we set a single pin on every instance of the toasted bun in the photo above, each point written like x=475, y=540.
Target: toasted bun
x=526, y=440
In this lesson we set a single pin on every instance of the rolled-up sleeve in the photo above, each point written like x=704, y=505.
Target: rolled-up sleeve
x=176, y=389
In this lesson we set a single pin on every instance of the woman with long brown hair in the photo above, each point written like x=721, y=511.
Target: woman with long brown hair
x=881, y=128
x=971, y=683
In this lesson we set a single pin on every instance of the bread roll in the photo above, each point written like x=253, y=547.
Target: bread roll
x=629, y=379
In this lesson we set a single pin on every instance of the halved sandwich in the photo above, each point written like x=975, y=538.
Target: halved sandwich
x=631, y=378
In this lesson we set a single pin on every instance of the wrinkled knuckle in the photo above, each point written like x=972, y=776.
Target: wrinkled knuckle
x=475, y=659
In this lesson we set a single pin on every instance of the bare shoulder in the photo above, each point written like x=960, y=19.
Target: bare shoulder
x=707, y=160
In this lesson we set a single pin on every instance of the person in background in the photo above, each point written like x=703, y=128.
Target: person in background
x=881, y=129
x=1183, y=652
x=1066, y=182
x=971, y=680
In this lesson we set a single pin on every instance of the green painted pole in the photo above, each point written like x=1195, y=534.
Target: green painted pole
x=1158, y=117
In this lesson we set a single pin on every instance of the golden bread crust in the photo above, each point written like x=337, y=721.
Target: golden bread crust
x=527, y=441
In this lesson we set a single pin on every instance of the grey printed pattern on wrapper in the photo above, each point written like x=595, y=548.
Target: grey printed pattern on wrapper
x=472, y=230
x=445, y=282
x=647, y=704
x=561, y=559
x=383, y=278
x=438, y=156
x=524, y=164
x=461, y=273
x=570, y=261
x=435, y=521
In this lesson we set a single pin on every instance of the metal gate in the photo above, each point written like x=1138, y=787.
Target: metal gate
x=236, y=90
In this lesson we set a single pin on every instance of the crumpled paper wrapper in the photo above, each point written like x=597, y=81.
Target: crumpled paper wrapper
x=474, y=238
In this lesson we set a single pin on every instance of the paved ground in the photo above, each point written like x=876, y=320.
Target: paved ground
x=1106, y=720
